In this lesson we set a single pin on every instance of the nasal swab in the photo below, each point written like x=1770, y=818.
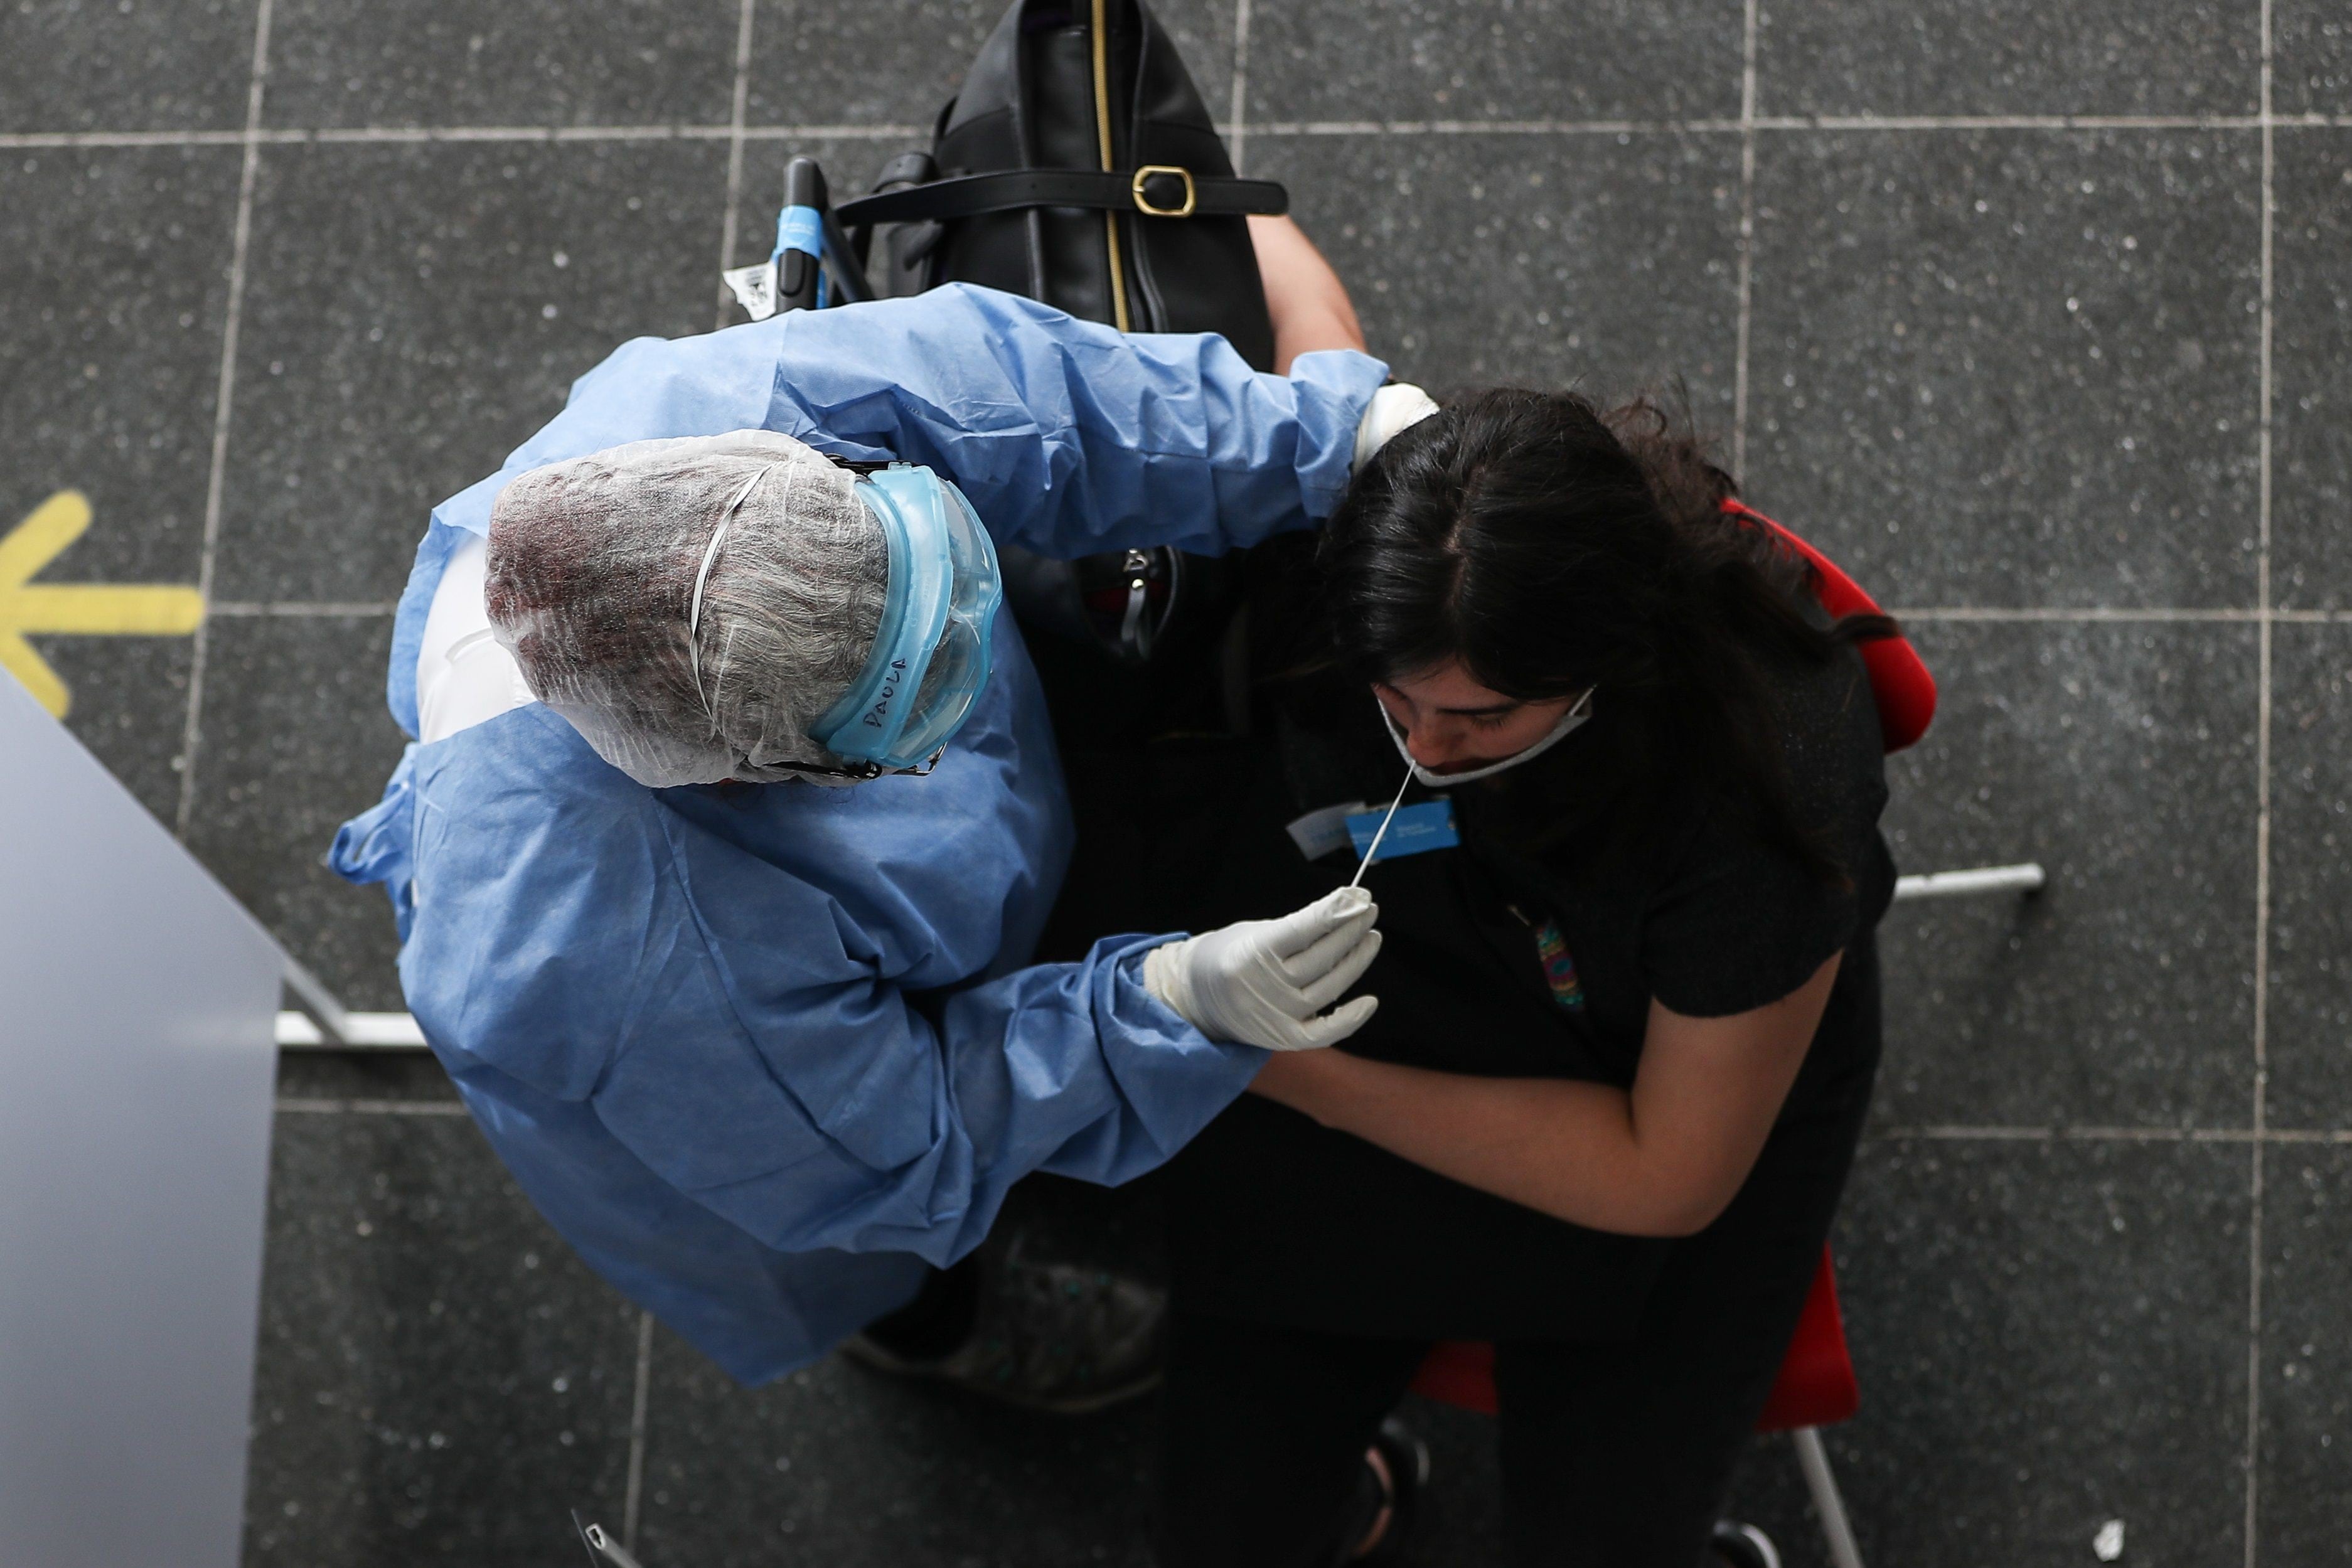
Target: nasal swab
x=1375, y=847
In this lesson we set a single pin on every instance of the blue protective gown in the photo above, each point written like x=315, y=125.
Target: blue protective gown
x=761, y=1053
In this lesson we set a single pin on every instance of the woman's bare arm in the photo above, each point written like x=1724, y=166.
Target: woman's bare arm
x=1661, y=1160
x=1306, y=299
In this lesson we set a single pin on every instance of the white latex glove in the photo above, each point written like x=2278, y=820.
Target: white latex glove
x=1262, y=982
x=1400, y=405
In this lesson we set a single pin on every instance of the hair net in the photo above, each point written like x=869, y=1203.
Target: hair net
x=599, y=567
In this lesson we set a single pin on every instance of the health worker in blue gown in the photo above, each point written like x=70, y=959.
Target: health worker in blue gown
x=734, y=813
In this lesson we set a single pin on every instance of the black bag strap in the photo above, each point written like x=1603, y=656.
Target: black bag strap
x=1156, y=190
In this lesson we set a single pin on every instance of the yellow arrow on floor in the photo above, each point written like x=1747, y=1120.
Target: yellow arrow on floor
x=78, y=609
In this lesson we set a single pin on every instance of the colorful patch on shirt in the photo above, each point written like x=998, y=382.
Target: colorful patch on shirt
x=1559, y=967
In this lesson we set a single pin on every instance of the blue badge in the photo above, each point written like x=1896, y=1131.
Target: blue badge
x=1417, y=831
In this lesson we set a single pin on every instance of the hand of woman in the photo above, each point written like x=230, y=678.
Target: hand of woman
x=1305, y=300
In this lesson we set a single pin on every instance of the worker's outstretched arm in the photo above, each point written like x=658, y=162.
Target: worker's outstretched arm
x=1069, y=436
x=766, y=1035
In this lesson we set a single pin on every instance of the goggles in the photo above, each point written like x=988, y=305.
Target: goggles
x=930, y=654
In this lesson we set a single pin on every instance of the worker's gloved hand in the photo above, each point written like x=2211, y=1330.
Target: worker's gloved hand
x=1400, y=405
x=1264, y=982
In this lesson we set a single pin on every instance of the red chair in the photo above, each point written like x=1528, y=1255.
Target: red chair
x=1816, y=1389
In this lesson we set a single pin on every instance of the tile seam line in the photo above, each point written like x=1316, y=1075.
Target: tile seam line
x=2097, y=614
x=306, y=1105
x=735, y=114
x=1744, y=287
x=2243, y=615
x=640, y=1403
x=1236, y=133
x=33, y=141
x=223, y=398
x=415, y=135
x=236, y=609
x=2016, y=1134
x=1782, y=124
x=2265, y=388
x=2081, y=613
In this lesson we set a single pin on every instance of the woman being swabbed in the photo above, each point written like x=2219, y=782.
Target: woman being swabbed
x=1630, y=996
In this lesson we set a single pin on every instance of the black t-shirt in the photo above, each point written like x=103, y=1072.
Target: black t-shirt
x=1533, y=949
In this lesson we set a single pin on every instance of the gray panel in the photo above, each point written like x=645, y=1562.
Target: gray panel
x=1531, y=260
x=2010, y=57
x=2311, y=878
x=111, y=308
x=134, y=1138
x=2047, y=1336
x=440, y=1380
x=2008, y=368
x=838, y=1464
x=2306, y=1364
x=2123, y=994
x=130, y=705
x=2311, y=45
x=1540, y=60
x=2311, y=401
x=406, y=1076
x=395, y=349
x=896, y=64
x=296, y=742
x=128, y=64
x=522, y=62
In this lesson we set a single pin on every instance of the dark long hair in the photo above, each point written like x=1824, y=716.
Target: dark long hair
x=1552, y=547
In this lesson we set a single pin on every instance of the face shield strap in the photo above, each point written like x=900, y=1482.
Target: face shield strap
x=693, y=610
x=864, y=773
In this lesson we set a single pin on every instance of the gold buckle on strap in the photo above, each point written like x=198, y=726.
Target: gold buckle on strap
x=1143, y=203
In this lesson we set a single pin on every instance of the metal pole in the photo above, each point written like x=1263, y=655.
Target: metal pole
x=322, y=1024
x=319, y=1008
x=2026, y=878
x=360, y=1032
x=1815, y=1460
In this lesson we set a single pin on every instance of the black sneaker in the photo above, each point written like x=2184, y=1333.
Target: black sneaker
x=1403, y=1473
x=1744, y=1546
x=1056, y=1337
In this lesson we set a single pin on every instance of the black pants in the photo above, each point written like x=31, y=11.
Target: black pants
x=1265, y=1427
x=1614, y=1455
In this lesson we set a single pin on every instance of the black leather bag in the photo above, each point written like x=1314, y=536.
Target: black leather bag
x=1079, y=166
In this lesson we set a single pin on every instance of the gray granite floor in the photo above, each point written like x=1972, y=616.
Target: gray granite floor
x=2038, y=317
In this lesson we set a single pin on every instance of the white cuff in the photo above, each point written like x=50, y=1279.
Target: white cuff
x=1167, y=979
x=1396, y=406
